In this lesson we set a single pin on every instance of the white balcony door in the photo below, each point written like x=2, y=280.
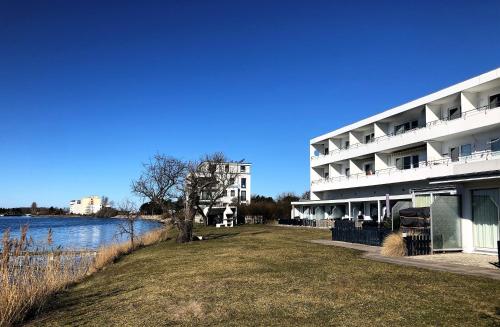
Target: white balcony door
x=485, y=212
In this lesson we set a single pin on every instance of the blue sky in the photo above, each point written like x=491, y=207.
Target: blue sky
x=90, y=89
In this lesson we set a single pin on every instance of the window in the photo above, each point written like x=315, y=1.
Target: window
x=325, y=152
x=243, y=195
x=346, y=145
x=233, y=193
x=454, y=113
x=347, y=171
x=243, y=183
x=495, y=101
x=414, y=161
x=407, y=162
x=465, y=150
x=368, y=169
x=369, y=138
x=454, y=154
x=398, y=129
x=243, y=169
x=226, y=168
x=326, y=174
x=495, y=144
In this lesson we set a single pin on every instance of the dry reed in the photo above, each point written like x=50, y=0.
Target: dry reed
x=27, y=281
x=393, y=246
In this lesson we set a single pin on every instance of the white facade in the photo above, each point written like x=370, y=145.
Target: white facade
x=239, y=192
x=86, y=206
x=442, y=143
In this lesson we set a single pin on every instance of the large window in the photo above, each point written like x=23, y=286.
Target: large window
x=243, y=183
x=495, y=144
x=454, y=155
x=369, y=138
x=465, y=150
x=407, y=162
x=398, y=129
x=454, y=113
x=243, y=195
x=495, y=101
x=369, y=169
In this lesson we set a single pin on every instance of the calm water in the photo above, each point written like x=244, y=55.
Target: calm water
x=73, y=233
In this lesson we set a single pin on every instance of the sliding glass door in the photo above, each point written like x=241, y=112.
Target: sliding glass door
x=485, y=212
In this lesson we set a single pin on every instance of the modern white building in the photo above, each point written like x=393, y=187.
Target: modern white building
x=86, y=206
x=441, y=150
x=238, y=192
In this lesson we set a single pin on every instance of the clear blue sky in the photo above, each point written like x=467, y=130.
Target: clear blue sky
x=90, y=89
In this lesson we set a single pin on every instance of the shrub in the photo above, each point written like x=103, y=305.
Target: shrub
x=393, y=246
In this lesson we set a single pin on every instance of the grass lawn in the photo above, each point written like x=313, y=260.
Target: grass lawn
x=264, y=275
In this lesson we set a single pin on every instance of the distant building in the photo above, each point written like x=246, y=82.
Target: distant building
x=239, y=192
x=86, y=206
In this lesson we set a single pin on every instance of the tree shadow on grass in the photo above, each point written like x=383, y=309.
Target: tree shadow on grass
x=66, y=301
x=215, y=236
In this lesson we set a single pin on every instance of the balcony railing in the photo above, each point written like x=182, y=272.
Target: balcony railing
x=443, y=119
x=476, y=156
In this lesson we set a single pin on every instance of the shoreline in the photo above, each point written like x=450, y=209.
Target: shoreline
x=157, y=218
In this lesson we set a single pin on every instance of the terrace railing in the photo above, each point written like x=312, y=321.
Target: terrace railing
x=476, y=156
x=442, y=120
x=348, y=231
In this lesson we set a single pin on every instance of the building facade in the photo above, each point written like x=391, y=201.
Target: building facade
x=441, y=150
x=86, y=206
x=238, y=192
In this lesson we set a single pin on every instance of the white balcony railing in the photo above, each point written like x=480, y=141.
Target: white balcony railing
x=391, y=171
x=389, y=136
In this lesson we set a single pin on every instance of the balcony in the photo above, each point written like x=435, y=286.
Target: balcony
x=482, y=161
x=467, y=120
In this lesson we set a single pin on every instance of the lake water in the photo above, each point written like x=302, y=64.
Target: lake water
x=73, y=233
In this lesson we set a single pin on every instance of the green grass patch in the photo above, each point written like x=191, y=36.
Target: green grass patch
x=265, y=275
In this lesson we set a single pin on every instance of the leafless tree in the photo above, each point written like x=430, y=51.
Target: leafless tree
x=127, y=226
x=34, y=208
x=162, y=179
x=105, y=201
x=214, y=175
x=165, y=178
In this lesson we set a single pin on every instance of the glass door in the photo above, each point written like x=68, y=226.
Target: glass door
x=485, y=217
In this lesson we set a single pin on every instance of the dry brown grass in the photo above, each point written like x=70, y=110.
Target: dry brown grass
x=393, y=246
x=27, y=281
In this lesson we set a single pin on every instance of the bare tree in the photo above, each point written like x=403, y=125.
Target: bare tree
x=104, y=201
x=214, y=175
x=162, y=179
x=34, y=208
x=165, y=178
x=127, y=226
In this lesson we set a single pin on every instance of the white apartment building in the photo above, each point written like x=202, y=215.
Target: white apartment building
x=238, y=192
x=441, y=150
x=86, y=206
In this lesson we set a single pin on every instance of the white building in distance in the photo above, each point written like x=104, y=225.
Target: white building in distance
x=239, y=192
x=86, y=206
x=440, y=151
